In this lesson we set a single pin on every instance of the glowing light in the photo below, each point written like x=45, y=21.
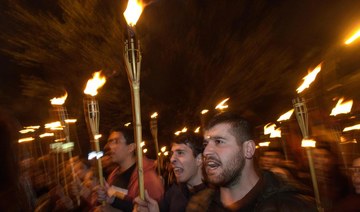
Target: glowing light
x=276, y=133
x=177, y=132
x=145, y=150
x=142, y=144
x=53, y=125
x=262, y=144
x=93, y=155
x=308, y=79
x=197, y=130
x=221, y=105
x=163, y=149
x=127, y=124
x=286, y=116
x=308, y=143
x=69, y=121
x=154, y=115
x=60, y=100
x=32, y=127
x=24, y=131
x=166, y=153
x=354, y=127
x=46, y=135
x=268, y=128
x=342, y=108
x=184, y=130
x=133, y=12
x=94, y=84
x=353, y=38
x=204, y=111
x=28, y=139
x=97, y=136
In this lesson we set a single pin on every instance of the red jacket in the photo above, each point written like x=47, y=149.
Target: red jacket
x=152, y=181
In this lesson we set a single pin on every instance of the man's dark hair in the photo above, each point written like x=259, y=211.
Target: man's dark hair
x=192, y=140
x=128, y=133
x=240, y=127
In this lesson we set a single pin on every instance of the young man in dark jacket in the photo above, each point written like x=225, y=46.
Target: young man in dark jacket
x=229, y=165
x=186, y=162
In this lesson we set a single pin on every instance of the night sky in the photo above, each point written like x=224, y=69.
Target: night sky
x=195, y=53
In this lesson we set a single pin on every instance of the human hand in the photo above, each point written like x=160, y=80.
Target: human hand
x=147, y=205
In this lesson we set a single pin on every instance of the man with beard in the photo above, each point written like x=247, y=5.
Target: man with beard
x=229, y=165
x=186, y=162
x=124, y=178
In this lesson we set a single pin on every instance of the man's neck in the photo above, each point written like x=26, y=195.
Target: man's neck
x=236, y=192
x=126, y=164
x=195, y=180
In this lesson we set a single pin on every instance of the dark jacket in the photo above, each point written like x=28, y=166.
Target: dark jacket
x=269, y=194
x=177, y=197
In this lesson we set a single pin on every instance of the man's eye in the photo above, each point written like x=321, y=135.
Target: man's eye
x=205, y=143
x=218, y=141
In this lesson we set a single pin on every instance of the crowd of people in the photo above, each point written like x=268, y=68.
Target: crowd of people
x=218, y=170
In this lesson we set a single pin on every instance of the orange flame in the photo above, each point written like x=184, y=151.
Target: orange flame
x=154, y=115
x=308, y=143
x=95, y=83
x=266, y=143
x=308, y=79
x=276, y=133
x=354, y=127
x=353, y=38
x=59, y=101
x=342, y=108
x=133, y=12
x=221, y=105
x=286, y=116
x=268, y=128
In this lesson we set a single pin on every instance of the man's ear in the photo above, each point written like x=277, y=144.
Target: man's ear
x=132, y=147
x=249, y=149
x=199, y=159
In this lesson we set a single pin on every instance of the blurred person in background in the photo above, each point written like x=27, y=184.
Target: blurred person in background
x=186, y=163
x=123, y=185
x=14, y=194
x=352, y=201
x=333, y=185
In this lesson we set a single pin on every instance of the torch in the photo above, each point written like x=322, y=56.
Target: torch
x=284, y=117
x=67, y=147
x=302, y=118
x=132, y=57
x=301, y=114
x=154, y=132
x=92, y=115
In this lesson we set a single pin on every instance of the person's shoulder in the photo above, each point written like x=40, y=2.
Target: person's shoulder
x=279, y=195
x=201, y=200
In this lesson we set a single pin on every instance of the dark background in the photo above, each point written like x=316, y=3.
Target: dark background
x=195, y=53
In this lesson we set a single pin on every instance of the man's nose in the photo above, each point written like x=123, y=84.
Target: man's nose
x=209, y=149
x=173, y=158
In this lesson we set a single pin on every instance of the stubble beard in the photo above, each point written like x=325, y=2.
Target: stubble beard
x=231, y=173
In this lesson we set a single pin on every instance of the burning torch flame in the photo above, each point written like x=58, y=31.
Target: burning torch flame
x=264, y=143
x=353, y=38
x=26, y=139
x=308, y=143
x=342, y=108
x=286, y=116
x=133, y=12
x=197, y=130
x=308, y=79
x=276, y=133
x=354, y=127
x=268, y=128
x=204, y=111
x=95, y=83
x=154, y=115
x=60, y=100
x=221, y=105
x=46, y=135
x=163, y=149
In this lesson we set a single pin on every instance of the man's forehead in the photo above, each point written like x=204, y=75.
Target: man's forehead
x=176, y=147
x=217, y=130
